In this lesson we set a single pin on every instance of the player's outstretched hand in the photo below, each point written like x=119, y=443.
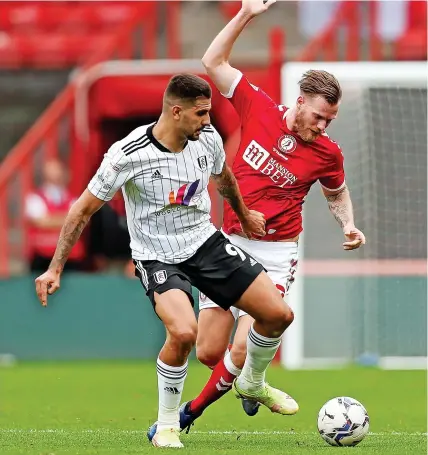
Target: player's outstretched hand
x=354, y=238
x=253, y=225
x=256, y=7
x=46, y=284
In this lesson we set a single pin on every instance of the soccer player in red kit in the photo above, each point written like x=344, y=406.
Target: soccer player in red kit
x=283, y=152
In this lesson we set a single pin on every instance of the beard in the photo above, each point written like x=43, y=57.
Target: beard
x=302, y=130
x=195, y=136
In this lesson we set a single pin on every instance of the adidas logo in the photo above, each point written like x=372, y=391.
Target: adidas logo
x=172, y=390
x=253, y=262
x=157, y=175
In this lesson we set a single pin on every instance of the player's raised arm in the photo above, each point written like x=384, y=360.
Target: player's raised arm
x=216, y=58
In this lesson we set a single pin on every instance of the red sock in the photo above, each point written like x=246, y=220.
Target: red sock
x=219, y=383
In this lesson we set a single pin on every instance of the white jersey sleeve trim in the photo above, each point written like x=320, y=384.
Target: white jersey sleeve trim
x=335, y=189
x=235, y=83
x=115, y=170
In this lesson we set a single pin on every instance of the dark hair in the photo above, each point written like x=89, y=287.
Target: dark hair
x=187, y=87
x=321, y=83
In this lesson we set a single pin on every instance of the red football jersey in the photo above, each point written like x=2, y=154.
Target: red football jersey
x=274, y=167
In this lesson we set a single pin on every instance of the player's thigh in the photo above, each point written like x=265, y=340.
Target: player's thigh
x=176, y=312
x=282, y=271
x=279, y=259
x=222, y=271
x=215, y=327
x=170, y=292
x=264, y=303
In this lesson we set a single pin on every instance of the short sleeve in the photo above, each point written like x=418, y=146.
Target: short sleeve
x=219, y=154
x=334, y=179
x=247, y=99
x=114, y=172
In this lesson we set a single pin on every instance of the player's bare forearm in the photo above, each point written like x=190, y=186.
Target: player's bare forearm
x=216, y=58
x=227, y=186
x=76, y=220
x=70, y=233
x=219, y=50
x=340, y=206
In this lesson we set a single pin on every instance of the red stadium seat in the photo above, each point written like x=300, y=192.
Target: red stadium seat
x=49, y=49
x=57, y=15
x=57, y=34
x=28, y=17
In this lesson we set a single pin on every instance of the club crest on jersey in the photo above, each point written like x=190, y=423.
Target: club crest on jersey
x=287, y=143
x=202, y=162
x=160, y=276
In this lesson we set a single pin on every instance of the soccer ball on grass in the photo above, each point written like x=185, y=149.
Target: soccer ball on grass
x=343, y=421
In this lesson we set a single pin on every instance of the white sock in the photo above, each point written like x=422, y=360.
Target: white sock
x=230, y=366
x=260, y=352
x=170, y=387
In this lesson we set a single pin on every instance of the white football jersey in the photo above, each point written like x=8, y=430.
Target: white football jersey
x=166, y=196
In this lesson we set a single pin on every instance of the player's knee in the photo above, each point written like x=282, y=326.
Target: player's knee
x=185, y=336
x=279, y=319
x=287, y=316
x=208, y=356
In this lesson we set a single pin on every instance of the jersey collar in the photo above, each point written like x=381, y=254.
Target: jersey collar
x=156, y=143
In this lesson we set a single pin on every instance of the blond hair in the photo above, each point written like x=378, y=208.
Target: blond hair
x=321, y=83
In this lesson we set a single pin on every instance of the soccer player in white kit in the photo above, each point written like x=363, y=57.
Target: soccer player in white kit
x=163, y=170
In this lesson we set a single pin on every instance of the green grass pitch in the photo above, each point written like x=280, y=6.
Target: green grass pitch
x=106, y=407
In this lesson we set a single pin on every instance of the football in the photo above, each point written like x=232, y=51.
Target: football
x=343, y=421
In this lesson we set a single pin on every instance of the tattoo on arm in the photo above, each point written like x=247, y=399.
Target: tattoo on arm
x=70, y=233
x=228, y=188
x=340, y=206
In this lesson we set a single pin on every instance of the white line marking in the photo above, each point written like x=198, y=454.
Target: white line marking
x=214, y=432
